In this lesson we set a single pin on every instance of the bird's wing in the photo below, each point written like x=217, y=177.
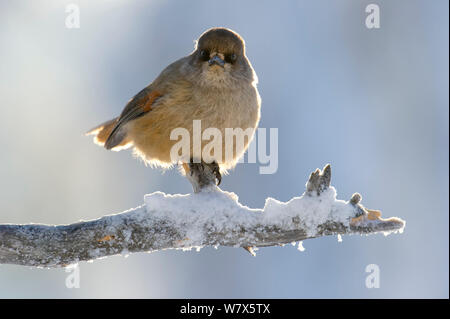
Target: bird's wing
x=139, y=105
x=145, y=100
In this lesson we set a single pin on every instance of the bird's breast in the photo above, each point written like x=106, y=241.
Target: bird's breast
x=226, y=108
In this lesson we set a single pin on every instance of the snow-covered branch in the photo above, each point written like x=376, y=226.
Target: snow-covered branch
x=211, y=217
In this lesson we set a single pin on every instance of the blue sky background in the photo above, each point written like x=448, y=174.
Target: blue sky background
x=373, y=103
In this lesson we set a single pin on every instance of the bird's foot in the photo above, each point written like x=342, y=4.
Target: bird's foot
x=216, y=171
x=202, y=175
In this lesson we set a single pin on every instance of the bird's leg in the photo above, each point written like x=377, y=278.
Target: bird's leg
x=202, y=174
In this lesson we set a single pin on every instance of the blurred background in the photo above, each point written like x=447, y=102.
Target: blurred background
x=372, y=102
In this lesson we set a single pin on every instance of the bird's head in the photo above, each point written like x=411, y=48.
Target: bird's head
x=219, y=58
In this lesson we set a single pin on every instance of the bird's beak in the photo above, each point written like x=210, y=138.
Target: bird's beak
x=216, y=60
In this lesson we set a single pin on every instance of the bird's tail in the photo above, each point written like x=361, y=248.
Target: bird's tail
x=103, y=131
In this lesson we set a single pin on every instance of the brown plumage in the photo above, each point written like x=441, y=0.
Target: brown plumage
x=215, y=84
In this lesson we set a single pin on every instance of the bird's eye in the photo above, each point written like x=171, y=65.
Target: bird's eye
x=230, y=58
x=204, y=54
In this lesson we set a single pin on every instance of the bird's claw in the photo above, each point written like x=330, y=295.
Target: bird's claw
x=203, y=174
x=216, y=171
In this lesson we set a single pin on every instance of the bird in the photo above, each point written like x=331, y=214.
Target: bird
x=215, y=84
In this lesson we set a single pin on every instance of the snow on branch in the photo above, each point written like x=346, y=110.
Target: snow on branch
x=211, y=217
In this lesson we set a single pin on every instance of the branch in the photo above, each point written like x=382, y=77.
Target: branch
x=211, y=217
